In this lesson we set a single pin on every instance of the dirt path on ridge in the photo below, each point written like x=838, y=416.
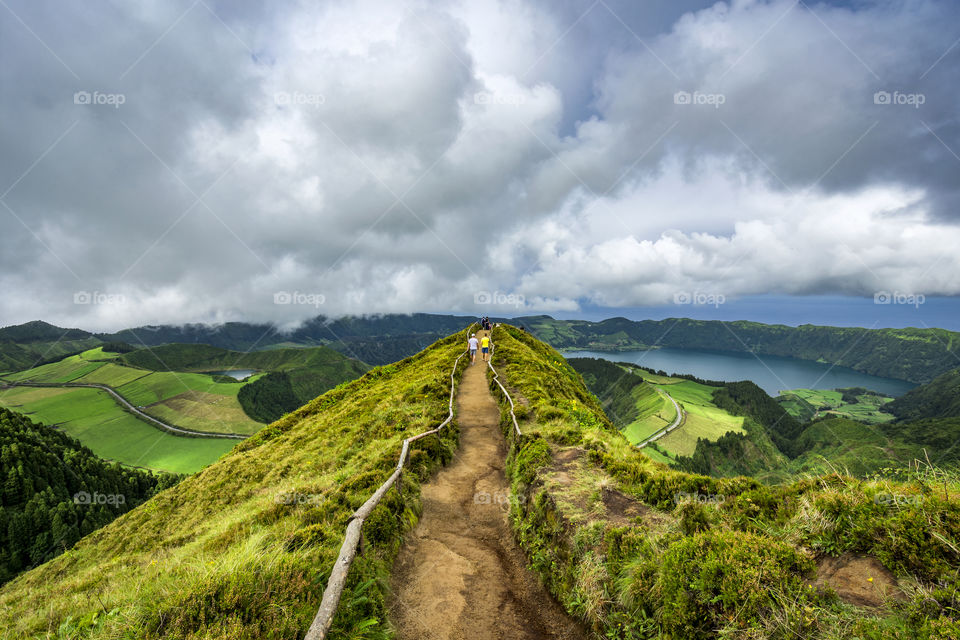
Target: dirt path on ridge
x=460, y=575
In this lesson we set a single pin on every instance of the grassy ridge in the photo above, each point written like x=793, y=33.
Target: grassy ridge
x=243, y=548
x=738, y=560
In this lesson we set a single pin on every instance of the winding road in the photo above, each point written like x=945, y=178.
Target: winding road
x=670, y=427
x=4, y=384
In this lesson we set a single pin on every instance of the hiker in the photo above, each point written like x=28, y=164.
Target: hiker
x=473, y=343
x=485, y=348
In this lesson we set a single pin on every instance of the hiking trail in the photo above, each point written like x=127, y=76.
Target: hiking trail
x=460, y=574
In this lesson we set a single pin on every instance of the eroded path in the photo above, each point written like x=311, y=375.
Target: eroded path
x=460, y=575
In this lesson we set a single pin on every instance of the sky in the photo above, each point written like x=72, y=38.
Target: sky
x=202, y=161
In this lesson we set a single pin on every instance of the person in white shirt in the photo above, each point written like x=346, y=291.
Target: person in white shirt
x=474, y=344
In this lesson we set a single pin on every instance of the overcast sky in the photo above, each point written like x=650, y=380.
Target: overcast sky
x=170, y=161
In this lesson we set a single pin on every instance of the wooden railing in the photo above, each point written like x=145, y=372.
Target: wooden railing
x=348, y=550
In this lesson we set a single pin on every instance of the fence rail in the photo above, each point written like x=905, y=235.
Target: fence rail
x=496, y=378
x=348, y=550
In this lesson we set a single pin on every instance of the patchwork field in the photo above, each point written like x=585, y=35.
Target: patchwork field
x=807, y=404
x=703, y=418
x=656, y=412
x=95, y=419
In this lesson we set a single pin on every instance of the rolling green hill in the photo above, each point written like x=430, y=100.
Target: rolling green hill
x=28, y=345
x=243, y=548
x=939, y=398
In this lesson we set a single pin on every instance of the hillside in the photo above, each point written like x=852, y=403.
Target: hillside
x=940, y=398
x=52, y=490
x=632, y=548
x=638, y=550
x=917, y=355
x=242, y=549
x=34, y=343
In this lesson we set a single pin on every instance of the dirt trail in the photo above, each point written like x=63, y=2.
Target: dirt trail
x=460, y=575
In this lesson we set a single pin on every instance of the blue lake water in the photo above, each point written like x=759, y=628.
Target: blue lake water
x=237, y=374
x=771, y=373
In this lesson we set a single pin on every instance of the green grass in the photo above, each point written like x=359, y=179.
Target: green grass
x=703, y=418
x=93, y=417
x=112, y=375
x=656, y=412
x=223, y=556
x=66, y=370
x=807, y=404
x=737, y=561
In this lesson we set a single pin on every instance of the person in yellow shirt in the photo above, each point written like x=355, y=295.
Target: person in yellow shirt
x=485, y=348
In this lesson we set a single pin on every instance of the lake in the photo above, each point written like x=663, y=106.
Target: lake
x=237, y=374
x=771, y=373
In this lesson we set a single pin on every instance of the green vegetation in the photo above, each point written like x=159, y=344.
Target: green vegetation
x=243, y=549
x=691, y=556
x=917, y=355
x=94, y=418
x=703, y=418
x=938, y=399
x=35, y=343
x=634, y=401
x=856, y=404
x=55, y=490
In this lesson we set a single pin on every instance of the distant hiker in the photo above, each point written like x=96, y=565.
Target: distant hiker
x=473, y=344
x=485, y=347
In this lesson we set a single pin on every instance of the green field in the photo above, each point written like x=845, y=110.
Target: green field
x=656, y=412
x=807, y=404
x=94, y=418
x=66, y=370
x=703, y=418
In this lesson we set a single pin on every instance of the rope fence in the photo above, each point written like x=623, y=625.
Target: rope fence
x=348, y=550
x=496, y=378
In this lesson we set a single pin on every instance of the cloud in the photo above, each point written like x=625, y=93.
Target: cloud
x=401, y=158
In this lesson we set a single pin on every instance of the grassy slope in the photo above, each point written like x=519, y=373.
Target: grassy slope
x=703, y=420
x=228, y=553
x=735, y=567
x=94, y=418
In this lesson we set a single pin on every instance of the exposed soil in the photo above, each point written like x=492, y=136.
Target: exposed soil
x=858, y=580
x=460, y=575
